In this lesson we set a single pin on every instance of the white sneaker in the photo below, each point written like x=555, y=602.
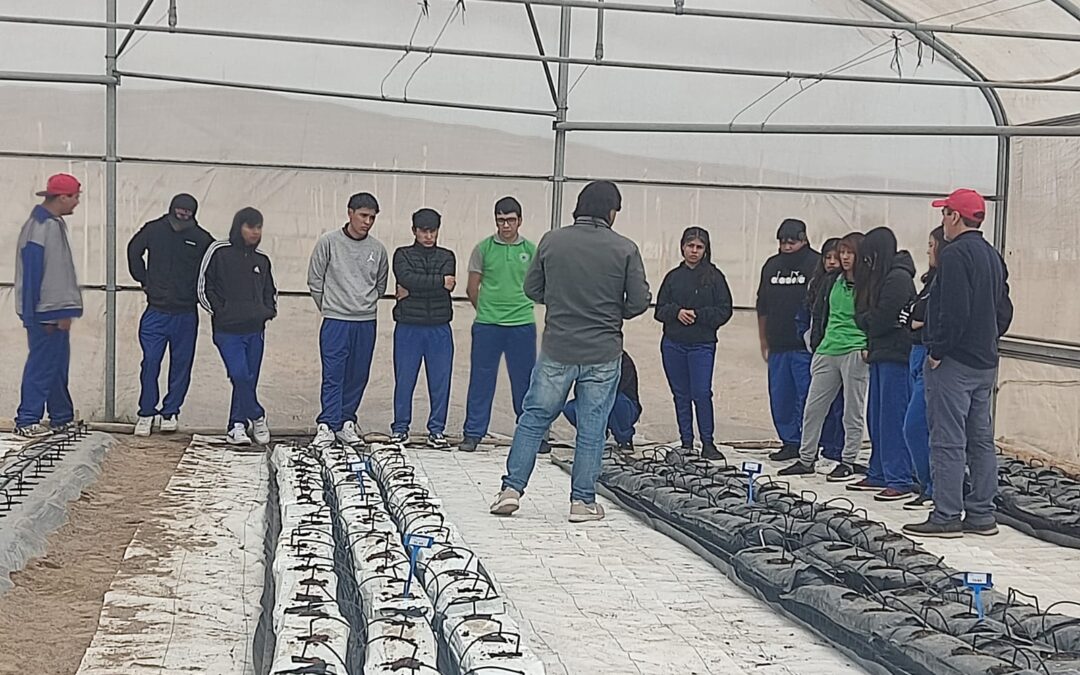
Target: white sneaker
x=238, y=435
x=32, y=431
x=169, y=425
x=324, y=438
x=349, y=434
x=261, y=431
x=144, y=426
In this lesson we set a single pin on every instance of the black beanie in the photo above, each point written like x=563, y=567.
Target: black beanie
x=597, y=200
x=426, y=219
x=792, y=229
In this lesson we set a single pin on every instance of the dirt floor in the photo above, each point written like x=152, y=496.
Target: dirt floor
x=48, y=619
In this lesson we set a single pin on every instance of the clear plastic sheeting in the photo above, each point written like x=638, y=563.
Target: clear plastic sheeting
x=43, y=508
x=1039, y=405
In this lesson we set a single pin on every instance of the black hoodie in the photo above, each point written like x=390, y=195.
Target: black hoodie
x=781, y=294
x=169, y=275
x=889, y=340
x=702, y=289
x=236, y=286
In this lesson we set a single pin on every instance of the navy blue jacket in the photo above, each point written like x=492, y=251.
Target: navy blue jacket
x=969, y=307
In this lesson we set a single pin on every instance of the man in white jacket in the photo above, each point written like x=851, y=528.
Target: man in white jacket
x=347, y=275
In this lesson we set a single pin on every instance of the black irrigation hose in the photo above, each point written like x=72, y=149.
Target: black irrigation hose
x=828, y=564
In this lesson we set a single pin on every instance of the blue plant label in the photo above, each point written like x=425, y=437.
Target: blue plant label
x=980, y=579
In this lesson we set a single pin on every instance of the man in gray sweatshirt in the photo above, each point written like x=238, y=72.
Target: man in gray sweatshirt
x=590, y=279
x=347, y=276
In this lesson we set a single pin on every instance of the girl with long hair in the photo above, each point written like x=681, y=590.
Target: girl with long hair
x=884, y=285
x=837, y=364
x=693, y=302
x=916, y=429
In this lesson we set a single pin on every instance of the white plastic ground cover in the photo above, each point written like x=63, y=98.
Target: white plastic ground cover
x=311, y=634
x=398, y=632
x=37, y=514
x=187, y=595
x=471, y=615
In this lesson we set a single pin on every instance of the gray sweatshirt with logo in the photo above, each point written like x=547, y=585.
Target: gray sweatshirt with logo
x=347, y=276
x=590, y=278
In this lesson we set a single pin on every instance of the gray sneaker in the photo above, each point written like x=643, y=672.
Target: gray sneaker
x=506, y=502
x=580, y=512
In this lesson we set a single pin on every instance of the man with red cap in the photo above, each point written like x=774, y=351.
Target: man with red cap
x=47, y=298
x=968, y=311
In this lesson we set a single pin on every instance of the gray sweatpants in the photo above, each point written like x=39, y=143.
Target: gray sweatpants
x=958, y=401
x=827, y=375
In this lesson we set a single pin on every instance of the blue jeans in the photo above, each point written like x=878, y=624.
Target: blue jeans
x=242, y=355
x=346, y=348
x=595, y=387
x=916, y=428
x=624, y=415
x=832, y=432
x=434, y=345
x=789, y=383
x=890, y=392
x=689, y=370
x=45, y=377
x=158, y=330
x=489, y=344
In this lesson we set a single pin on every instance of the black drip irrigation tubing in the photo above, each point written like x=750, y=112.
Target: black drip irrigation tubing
x=873, y=593
x=1039, y=500
x=24, y=468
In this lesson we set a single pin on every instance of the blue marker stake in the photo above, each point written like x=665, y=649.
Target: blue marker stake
x=978, y=582
x=751, y=469
x=413, y=543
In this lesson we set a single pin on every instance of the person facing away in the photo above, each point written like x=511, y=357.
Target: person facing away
x=47, y=299
x=817, y=293
x=164, y=257
x=590, y=279
x=837, y=364
x=236, y=286
x=625, y=412
x=505, y=324
x=694, y=301
x=347, y=274
x=968, y=311
x=884, y=285
x=916, y=431
x=781, y=293
x=425, y=274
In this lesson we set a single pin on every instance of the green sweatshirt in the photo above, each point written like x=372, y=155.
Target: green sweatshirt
x=842, y=336
x=502, y=300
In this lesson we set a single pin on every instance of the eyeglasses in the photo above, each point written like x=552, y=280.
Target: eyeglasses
x=508, y=220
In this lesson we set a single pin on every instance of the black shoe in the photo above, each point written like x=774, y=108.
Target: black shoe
x=860, y=468
x=920, y=503
x=865, y=485
x=953, y=530
x=709, y=451
x=796, y=469
x=545, y=448
x=983, y=530
x=469, y=444
x=626, y=448
x=785, y=454
x=687, y=447
x=842, y=473
x=438, y=441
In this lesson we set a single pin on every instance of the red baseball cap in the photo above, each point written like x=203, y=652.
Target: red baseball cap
x=968, y=203
x=61, y=184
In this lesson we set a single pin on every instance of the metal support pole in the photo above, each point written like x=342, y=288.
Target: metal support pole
x=821, y=129
x=110, y=214
x=558, y=172
x=599, y=54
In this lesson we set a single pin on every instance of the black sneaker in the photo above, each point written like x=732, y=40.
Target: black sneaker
x=860, y=468
x=626, y=448
x=399, y=437
x=785, y=454
x=687, y=447
x=982, y=530
x=469, y=444
x=545, y=448
x=709, y=451
x=866, y=485
x=842, y=473
x=920, y=503
x=952, y=530
x=796, y=469
x=438, y=441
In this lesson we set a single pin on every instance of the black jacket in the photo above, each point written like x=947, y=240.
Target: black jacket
x=889, y=340
x=916, y=309
x=236, y=285
x=170, y=274
x=628, y=380
x=421, y=271
x=819, y=309
x=702, y=289
x=969, y=308
x=781, y=294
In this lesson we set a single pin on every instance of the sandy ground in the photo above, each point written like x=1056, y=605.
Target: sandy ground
x=48, y=619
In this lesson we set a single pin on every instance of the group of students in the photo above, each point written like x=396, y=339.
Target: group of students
x=845, y=333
